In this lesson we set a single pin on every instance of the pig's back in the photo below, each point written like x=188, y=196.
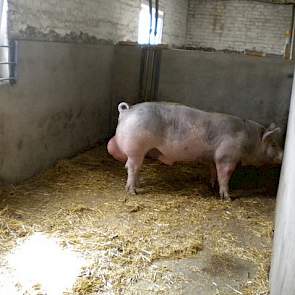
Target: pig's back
x=166, y=119
x=175, y=121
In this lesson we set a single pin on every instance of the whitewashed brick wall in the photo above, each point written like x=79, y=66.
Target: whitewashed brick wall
x=175, y=21
x=104, y=19
x=114, y=20
x=238, y=25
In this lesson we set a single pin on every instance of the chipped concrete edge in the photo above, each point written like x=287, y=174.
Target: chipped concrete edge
x=34, y=34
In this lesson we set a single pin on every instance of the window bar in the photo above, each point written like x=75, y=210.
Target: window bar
x=12, y=62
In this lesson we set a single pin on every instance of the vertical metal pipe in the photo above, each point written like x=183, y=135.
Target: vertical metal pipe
x=156, y=17
x=13, y=59
x=293, y=32
x=151, y=72
x=156, y=74
x=282, y=278
x=151, y=19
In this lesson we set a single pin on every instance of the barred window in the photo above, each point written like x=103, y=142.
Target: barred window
x=4, y=49
x=145, y=36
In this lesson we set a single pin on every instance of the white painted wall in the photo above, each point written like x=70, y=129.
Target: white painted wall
x=283, y=262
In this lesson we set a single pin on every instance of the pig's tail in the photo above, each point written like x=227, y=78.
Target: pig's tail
x=123, y=106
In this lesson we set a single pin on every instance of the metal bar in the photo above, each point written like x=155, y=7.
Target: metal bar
x=293, y=32
x=12, y=61
x=156, y=79
x=151, y=18
x=156, y=17
x=151, y=73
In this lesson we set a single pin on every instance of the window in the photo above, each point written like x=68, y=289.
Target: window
x=4, y=50
x=144, y=36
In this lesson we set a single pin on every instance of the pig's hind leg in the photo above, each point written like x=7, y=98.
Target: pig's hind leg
x=226, y=163
x=224, y=174
x=133, y=166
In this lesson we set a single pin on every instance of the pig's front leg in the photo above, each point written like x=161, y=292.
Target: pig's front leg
x=133, y=165
x=224, y=173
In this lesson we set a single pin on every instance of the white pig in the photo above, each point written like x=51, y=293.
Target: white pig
x=176, y=133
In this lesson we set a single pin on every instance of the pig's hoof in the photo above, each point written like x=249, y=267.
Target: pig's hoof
x=131, y=190
x=224, y=195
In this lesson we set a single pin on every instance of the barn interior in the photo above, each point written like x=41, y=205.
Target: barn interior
x=67, y=226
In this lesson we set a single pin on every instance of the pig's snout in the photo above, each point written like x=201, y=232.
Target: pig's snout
x=278, y=159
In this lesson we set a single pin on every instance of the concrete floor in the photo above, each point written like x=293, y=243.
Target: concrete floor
x=174, y=237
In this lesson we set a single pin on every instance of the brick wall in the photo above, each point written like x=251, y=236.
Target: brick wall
x=238, y=25
x=115, y=20
x=104, y=19
x=175, y=21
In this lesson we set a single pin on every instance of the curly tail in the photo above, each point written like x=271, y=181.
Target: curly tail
x=123, y=106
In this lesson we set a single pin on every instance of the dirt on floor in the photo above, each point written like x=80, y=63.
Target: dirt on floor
x=74, y=230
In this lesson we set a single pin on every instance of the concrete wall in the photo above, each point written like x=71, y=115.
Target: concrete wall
x=115, y=20
x=238, y=25
x=66, y=95
x=60, y=105
x=250, y=87
x=62, y=101
x=125, y=78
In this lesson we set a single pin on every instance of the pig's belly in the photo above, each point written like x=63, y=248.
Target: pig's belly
x=185, y=152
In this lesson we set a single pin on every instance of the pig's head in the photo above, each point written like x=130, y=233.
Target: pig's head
x=271, y=150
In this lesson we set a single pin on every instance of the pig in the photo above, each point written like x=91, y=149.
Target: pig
x=173, y=133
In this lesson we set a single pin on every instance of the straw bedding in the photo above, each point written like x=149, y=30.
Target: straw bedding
x=175, y=215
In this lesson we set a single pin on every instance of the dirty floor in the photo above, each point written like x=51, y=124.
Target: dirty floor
x=73, y=230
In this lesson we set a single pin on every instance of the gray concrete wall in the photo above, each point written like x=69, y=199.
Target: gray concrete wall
x=249, y=87
x=125, y=78
x=66, y=95
x=60, y=105
x=238, y=25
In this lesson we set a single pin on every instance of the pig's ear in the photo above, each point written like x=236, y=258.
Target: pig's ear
x=272, y=129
